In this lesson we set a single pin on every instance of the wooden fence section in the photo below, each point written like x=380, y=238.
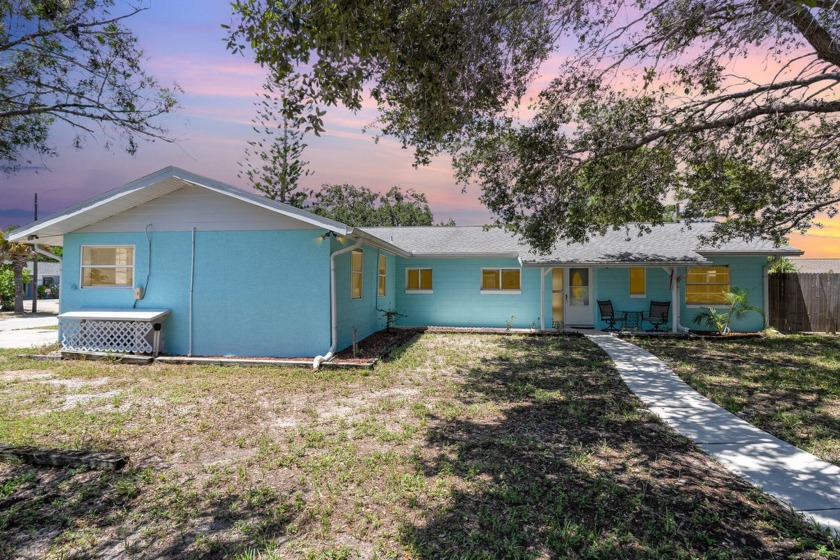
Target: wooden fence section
x=804, y=302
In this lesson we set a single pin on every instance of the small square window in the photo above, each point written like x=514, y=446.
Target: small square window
x=500, y=279
x=107, y=266
x=418, y=279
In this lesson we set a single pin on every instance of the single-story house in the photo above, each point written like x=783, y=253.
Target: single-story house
x=224, y=272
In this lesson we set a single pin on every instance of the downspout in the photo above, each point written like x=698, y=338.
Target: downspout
x=316, y=363
x=192, y=284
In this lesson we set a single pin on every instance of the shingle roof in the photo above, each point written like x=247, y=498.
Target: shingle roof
x=666, y=244
x=817, y=266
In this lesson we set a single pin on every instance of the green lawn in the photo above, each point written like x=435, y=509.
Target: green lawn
x=461, y=446
x=788, y=386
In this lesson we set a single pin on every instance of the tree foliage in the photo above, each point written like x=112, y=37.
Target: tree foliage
x=16, y=255
x=728, y=106
x=273, y=162
x=362, y=207
x=72, y=61
x=781, y=265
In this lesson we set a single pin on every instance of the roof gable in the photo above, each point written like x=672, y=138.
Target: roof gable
x=151, y=187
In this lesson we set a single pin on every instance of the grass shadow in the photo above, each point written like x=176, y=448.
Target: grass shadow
x=573, y=467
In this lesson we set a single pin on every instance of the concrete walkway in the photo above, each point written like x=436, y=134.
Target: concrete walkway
x=806, y=483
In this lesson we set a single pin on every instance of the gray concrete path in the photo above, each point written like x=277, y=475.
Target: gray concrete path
x=28, y=331
x=27, y=338
x=806, y=483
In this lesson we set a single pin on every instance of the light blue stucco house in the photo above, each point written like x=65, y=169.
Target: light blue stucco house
x=190, y=266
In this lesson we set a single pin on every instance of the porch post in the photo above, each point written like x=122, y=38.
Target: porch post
x=675, y=301
x=542, y=298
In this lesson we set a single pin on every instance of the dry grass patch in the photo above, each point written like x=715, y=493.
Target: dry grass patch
x=458, y=446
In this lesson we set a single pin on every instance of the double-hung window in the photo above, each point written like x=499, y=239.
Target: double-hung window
x=107, y=266
x=356, y=273
x=498, y=280
x=707, y=285
x=383, y=275
x=418, y=280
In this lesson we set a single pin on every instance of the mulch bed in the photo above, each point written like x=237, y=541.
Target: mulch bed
x=376, y=346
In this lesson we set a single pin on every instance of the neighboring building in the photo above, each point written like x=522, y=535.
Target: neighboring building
x=233, y=273
x=49, y=274
x=817, y=266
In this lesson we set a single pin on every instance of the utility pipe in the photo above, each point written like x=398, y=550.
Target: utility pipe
x=316, y=363
x=192, y=284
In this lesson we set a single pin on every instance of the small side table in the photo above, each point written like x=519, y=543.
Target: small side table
x=632, y=320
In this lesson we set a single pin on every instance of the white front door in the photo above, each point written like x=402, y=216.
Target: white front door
x=579, y=297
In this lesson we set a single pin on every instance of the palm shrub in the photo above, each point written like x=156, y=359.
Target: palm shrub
x=737, y=306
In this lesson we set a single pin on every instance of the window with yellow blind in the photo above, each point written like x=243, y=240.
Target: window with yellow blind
x=356, y=274
x=383, y=275
x=418, y=280
x=638, y=282
x=495, y=280
x=107, y=266
x=707, y=285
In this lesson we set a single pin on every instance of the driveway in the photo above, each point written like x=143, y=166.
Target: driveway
x=29, y=330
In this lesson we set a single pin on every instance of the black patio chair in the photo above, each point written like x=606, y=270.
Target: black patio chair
x=608, y=315
x=658, y=315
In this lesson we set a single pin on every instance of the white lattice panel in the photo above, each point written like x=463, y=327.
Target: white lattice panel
x=104, y=336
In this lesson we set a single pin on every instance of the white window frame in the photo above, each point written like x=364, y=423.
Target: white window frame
x=380, y=276
x=643, y=295
x=419, y=268
x=716, y=305
x=360, y=273
x=82, y=266
x=499, y=290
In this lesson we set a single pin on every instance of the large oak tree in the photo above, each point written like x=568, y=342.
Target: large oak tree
x=73, y=62
x=728, y=106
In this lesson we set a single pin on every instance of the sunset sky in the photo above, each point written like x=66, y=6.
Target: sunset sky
x=184, y=44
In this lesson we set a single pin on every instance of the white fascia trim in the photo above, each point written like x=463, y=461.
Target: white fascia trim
x=791, y=252
x=659, y=264
x=251, y=198
x=357, y=233
x=22, y=234
x=416, y=255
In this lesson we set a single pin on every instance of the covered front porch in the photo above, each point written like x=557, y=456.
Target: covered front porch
x=570, y=293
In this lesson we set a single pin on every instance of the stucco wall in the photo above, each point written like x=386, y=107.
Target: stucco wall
x=364, y=313
x=744, y=272
x=457, y=299
x=614, y=284
x=256, y=293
